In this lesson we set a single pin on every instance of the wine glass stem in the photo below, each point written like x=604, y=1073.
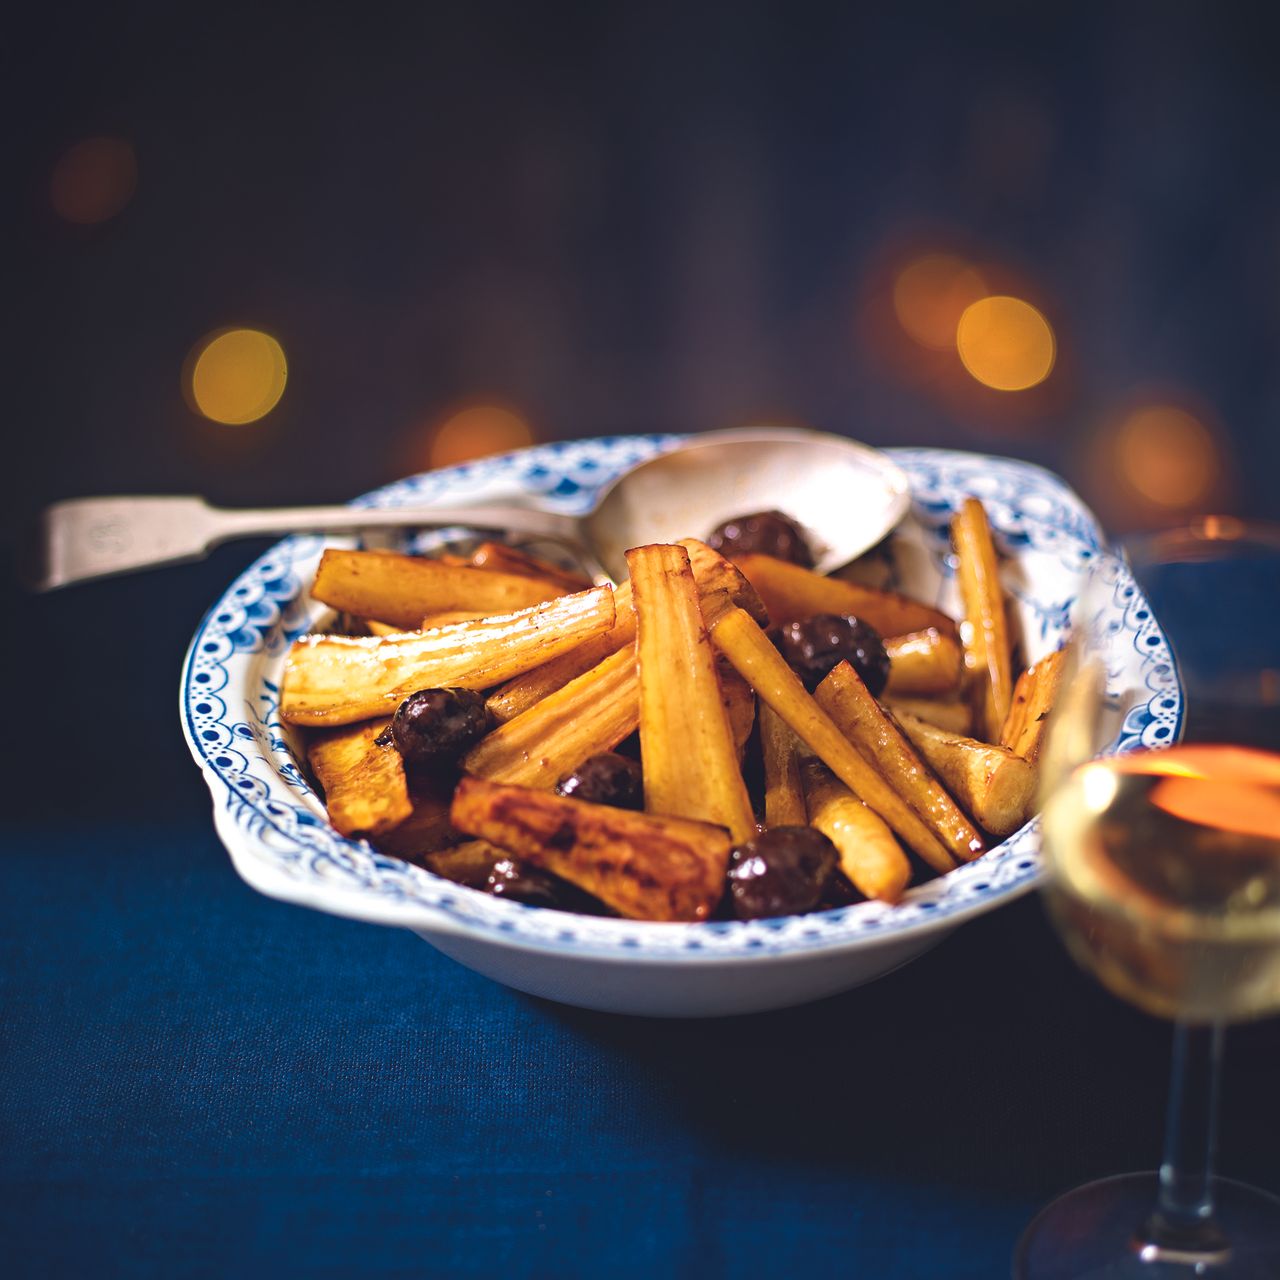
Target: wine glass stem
x=1185, y=1211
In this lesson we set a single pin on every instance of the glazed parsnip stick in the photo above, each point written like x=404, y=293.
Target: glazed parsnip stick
x=686, y=745
x=993, y=784
x=445, y=619
x=518, y=695
x=365, y=789
x=592, y=713
x=374, y=627
x=498, y=557
x=467, y=863
x=790, y=592
x=425, y=831
x=714, y=574
x=332, y=680
x=404, y=589
x=1033, y=698
x=739, y=700
x=844, y=697
x=742, y=641
x=784, y=804
x=645, y=866
x=923, y=663
x=870, y=857
x=986, y=637
x=953, y=717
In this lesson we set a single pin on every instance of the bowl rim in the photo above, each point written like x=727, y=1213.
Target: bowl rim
x=297, y=857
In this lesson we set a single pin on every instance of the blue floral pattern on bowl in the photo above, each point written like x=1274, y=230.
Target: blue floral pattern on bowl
x=275, y=826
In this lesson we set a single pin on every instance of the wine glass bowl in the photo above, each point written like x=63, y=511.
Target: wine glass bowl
x=1164, y=881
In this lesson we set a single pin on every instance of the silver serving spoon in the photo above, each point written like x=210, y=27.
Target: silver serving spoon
x=846, y=495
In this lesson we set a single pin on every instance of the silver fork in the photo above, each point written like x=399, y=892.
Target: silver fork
x=85, y=538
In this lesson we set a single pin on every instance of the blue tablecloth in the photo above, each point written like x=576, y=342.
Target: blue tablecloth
x=197, y=1081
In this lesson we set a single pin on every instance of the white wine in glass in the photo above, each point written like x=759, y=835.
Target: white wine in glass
x=1164, y=881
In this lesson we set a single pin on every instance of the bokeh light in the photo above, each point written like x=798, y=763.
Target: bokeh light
x=94, y=180
x=931, y=294
x=237, y=375
x=1005, y=343
x=476, y=432
x=1168, y=456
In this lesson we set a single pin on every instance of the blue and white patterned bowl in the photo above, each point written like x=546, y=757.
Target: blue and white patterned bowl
x=273, y=823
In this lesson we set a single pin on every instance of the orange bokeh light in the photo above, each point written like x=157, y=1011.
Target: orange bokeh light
x=1005, y=343
x=931, y=294
x=1168, y=456
x=237, y=375
x=94, y=180
x=476, y=432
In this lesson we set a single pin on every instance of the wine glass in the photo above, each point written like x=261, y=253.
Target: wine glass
x=1164, y=880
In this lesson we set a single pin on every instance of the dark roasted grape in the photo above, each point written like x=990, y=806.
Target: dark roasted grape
x=510, y=879
x=536, y=888
x=783, y=872
x=767, y=532
x=607, y=778
x=434, y=727
x=816, y=645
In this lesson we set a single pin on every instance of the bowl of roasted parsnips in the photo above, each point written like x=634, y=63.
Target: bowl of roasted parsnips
x=721, y=784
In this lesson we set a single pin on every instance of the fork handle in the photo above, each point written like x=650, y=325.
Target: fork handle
x=88, y=538
x=227, y=523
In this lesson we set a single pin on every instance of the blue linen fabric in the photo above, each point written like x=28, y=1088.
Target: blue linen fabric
x=198, y=1081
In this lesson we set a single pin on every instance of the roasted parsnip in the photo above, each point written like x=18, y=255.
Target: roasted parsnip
x=1033, y=698
x=923, y=663
x=467, y=863
x=331, y=680
x=365, y=789
x=742, y=641
x=686, y=745
x=518, y=695
x=995, y=786
x=590, y=714
x=404, y=589
x=644, y=866
x=784, y=804
x=739, y=700
x=870, y=857
x=790, y=592
x=713, y=573
x=849, y=703
x=499, y=557
x=954, y=717
x=986, y=637
x=426, y=830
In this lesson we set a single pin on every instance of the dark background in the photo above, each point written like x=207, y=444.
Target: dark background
x=607, y=219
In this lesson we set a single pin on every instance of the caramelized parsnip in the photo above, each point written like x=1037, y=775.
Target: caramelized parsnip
x=923, y=663
x=686, y=745
x=986, y=637
x=331, y=680
x=742, y=641
x=992, y=784
x=645, y=866
x=365, y=789
x=870, y=857
x=784, y=804
x=404, y=589
x=790, y=592
x=590, y=714
x=1033, y=698
x=844, y=697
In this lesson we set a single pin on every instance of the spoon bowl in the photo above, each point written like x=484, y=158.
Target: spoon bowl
x=846, y=495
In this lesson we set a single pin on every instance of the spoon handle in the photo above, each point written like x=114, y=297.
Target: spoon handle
x=88, y=538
